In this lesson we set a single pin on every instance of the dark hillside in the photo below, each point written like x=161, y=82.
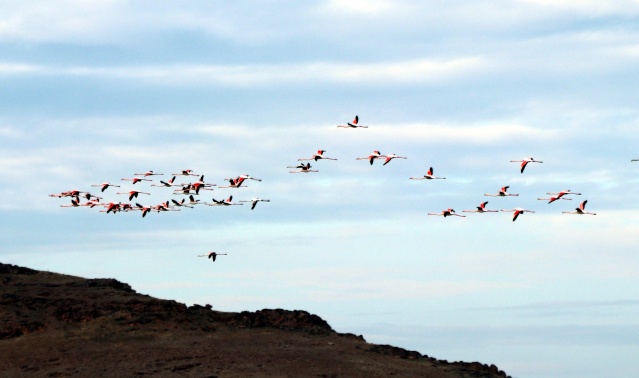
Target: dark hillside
x=54, y=325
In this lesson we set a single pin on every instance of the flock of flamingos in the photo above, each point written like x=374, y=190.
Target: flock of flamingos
x=189, y=190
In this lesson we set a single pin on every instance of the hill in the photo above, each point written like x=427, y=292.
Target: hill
x=55, y=325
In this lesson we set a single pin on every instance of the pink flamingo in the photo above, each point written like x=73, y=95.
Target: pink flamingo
x=428, y=176
x=226, y=202
x=145, y=209
x=352, y=125
x=104, y=186
x=480, y=209
x=303, y=168
x=525, y=162
x=254, y=202
x=502, y=193
x=148, y=173
x=74, y=203
x=201, y=185
x=212, y=255
x=390, y=157
x=447, y=213
x=181, y=203
x=133, y=193
x=371, y=158
x=185, y=172
x=92, y=203
x=319, y=155
x=554, y=198
x=564, y=192
x=166, y=184
x=581, y=210
x=237, y=182
x=517, y=211
x=135, y=180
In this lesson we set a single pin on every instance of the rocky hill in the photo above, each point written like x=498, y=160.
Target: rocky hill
x=54, y=325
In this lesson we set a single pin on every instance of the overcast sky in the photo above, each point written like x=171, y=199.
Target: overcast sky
x=96, y=91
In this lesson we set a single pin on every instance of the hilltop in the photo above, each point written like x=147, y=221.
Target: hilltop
x=55, y=325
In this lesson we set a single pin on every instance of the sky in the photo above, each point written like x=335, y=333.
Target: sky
x=96, y=91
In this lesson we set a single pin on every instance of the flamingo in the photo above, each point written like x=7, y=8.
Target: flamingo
x=226, y=202
x=181, y=203
x=428, y=176
x=186, y=189
x=88, y=196
x=371, y=158
x=390, y=157
x=254, y=202
x=303, y=168
x=163, y=206
x=144, y=209
x=581, y=210
x=148, y=173
x=319, y=155
x=502, y=193
x=112, y=207
x=104, y=186
x=554, y=198
x=212, y=255
x=135, y=180
x=517, y=211
x=237, y=182
x=74, y=203
x=447, y=213
x=525, y=162
x=480, y=209
x=133, y=193
x=193, y=201
x=167, y=184
x=353, y=125
x=185, y=172
x=92, y=203
x=70, y=193
x=564, y=192
x=200, y=184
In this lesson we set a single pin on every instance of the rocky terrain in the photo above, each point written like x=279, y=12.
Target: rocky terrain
x=54, y=325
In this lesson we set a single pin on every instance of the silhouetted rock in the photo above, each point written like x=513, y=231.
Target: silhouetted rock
x=63, y=322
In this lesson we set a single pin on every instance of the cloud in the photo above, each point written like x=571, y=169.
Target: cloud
x=407, y=72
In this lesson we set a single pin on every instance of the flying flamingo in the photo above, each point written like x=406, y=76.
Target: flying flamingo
x=71, y=193
x=564, y=192
x=92, y=203
x=112, y=207
x=480, y=209
x=105, y=185
x=148, y=173
x=200, y=184
x=185, y=172
x=319, y=155
x=428, y=176
x=167, y=184
x=212, y=255
x=502, y=193
x=144, y=209
x=303, y=168
x=554, y=198
x=186, y=189
x=390, y=157
x=74, y=203
x=517, y=211
x=135, y=180
x=237, y=182
x=163, y=206
x=226, y=202
x=581, y=210
x=447, y=213
x=254, y=202
x=133, y=193
x=193, y=201
x=371, y=158
x=352, y=125
x=525, y=162
x=181, y=203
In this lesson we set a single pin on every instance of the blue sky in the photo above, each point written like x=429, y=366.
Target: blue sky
x=94, y=92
